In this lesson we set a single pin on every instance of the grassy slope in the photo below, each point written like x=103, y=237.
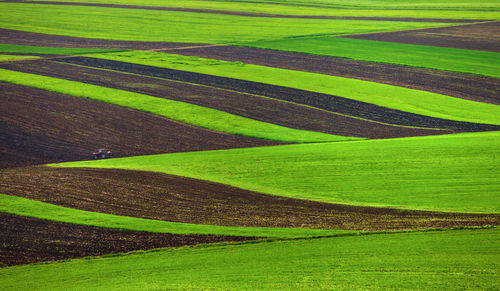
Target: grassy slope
x=185, y=112
x=485, y=9
x=445, y=260
x=415, y=101
x=440, y=58
x=150, y=25
x=31, y=208
x=9, y=48
x=449, y=173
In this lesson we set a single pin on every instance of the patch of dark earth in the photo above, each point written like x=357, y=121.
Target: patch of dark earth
x=27, y=240
x=465, y=86
x=39, y=126
x=16, y=37
x=481, y=36
x=318, y=100
x=242, y=13
x=247, y=105
x=179, y=199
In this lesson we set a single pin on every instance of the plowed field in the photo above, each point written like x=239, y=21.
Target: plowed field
x=26, y=240
x=178, y=199
x=39, y=126
x=481, y=36
x=322, y=101
x=466, y=86
x=247, y=105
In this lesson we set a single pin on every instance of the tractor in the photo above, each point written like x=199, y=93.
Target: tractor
x=101, y=154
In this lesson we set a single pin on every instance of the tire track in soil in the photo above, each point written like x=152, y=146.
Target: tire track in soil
x=465, y=86
x=249, y=14
x=173, y=198
x=39, y=126
x=322, y=101
x=263, y=109
x=27, y=240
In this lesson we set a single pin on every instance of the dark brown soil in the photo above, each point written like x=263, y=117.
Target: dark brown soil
x=38, y=126
x=466, y=86
x=26, y=240
x=8, y=36
x=246, y=13
x=481, y=36
x=322, y=101
x=173, y=198
x=264, y=109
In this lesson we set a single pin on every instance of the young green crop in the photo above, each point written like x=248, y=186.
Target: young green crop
x=437, y=260
x=448, y=173
x=175, y=26
x=25, y=49
x=185, y=112
x=404, y=99
x=4, y=58
x=31, y=208
x=439, y=58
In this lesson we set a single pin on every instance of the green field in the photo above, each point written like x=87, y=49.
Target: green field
x=439, y=58
x=404, y=99
x=444, y=260
x=31, y=208
x=151, y=25
x=4, y=58
x=185, y=112
x=25, y=49
x=448, y=173
x=485, y=9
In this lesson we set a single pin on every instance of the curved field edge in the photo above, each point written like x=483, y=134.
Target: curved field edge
x=148, y=25
x=452, y=173
x=181, y=111
x=404, y=99
x=420, y=56
x=31, y=208
x=454, y=259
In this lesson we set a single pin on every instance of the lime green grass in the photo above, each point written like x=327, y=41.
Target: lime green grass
x=185, y=112
x=442, y=260
x=174, y=26
x=448, y=173
x=439, y=58
x=25, y=49
x=485, y=9
x=4, y=58
x=409, y=100
x=31, y=208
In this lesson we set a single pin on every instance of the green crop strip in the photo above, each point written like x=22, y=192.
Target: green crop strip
x=445, y=260
x=9, y=48
x=409, y=100
x=485, y=9
x=447, y=173
x=439, y=58
x=173, y=26
x=4, y=58
x=185, y=112
x=31, y=208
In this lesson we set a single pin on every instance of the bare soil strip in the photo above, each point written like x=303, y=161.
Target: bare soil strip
x=322, y=101
x=480, y=36
x=466, y=86
x=38, y=127
x=26, y=240
x=173, y=198
x=17, y=37
x=264, y=109
x=240, y=13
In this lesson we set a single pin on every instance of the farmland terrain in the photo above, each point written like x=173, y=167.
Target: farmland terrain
x=256, y=145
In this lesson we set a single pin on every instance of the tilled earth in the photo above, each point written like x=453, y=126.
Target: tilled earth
x=466, y=86
x=480, y=36
x=26, y=240
x=39, y=126
x=322, y=101
x=173, y=198
x=248, y=105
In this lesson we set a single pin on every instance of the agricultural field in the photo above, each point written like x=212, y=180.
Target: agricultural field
x=263, y=145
